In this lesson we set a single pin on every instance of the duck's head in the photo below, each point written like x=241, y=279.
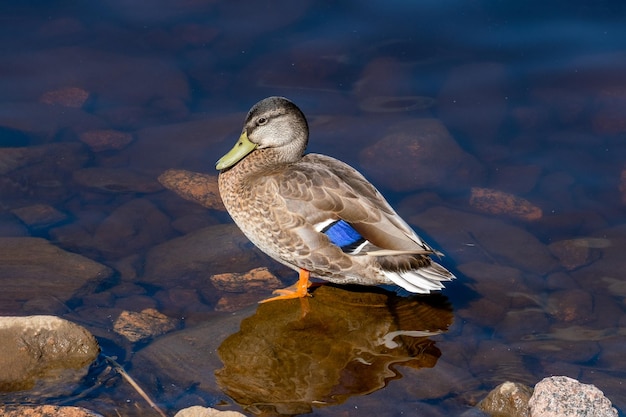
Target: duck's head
x=274, y=125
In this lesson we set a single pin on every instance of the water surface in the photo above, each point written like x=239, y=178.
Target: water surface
x=522, y=98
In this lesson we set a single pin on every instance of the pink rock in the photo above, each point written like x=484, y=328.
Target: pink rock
x=560, y=396
x=66, y=97
x=45, y=410
x=193, y=186
x=500, y=203
x=106, y=139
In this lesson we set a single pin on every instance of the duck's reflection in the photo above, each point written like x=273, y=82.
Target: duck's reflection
x=295, y=354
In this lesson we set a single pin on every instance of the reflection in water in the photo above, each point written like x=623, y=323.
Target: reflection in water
x=295, y=354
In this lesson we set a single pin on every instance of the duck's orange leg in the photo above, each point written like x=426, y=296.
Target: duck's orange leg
x=298, y=290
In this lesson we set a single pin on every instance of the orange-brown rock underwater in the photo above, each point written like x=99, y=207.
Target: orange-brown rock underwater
x=316, y=214
x=348, y=343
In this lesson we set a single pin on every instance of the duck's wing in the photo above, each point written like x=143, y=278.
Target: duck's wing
x=337, y=200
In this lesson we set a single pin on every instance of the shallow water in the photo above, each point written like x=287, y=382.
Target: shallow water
x=526, y=99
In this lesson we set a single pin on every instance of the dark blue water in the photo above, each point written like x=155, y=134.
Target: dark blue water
x=527, y=99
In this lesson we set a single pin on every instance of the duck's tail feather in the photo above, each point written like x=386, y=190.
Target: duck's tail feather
x=420, y=280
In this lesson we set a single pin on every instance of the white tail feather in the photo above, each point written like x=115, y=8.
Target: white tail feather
x=421, y=280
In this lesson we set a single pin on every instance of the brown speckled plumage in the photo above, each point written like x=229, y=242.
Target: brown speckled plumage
x=280, y=198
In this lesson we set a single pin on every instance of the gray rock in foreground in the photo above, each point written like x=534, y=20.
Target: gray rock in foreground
x=40, y=347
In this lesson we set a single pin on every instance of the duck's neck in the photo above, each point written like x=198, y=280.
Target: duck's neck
x=257, y=164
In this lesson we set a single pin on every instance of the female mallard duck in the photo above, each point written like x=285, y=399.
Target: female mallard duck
x=316, y=214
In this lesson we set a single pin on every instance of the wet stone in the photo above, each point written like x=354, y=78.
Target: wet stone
x=185, y=302
x=66, y=97
x=136, y=326
x=39, y=215
x=509, y=399
x=198, y=411
x=45, y=166
x=607, y=275
x=484, y=312
x=560, y=281
x=469, y=237
x=34, y=268
x=45, y=411
x=39, y=347
x=495, y=359
x=571, y=306
x=573, y=253
x=116, y=180
x=215, y=249
x=496, y=282
x=256, y=280
x=193, y=186
x=521, y=324
x=418, y=154
x=568, y=345
x=106, y=140
x=497, y=202
x=560, y=396
x=135, y=225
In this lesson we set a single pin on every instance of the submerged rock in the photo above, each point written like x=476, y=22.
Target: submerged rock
x=39, y=215
x=136, y=326
x=40, y=347
x=66, y=97
x=573, y=253
x=198, y=411
x=508, y=399
x=252, y=281
x=469, y=237
x=131, y=227
x=214, y=249
x=32, y=268
x=500, y=203
x=193, y=186
x=45, y=411
x=116, y=180
x=418, y=154
x=106, y=139
x=560, y=396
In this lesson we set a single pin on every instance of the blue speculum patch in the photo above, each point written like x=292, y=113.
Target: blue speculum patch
x=342, y=234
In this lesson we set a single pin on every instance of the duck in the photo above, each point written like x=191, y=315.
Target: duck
x=316, y=214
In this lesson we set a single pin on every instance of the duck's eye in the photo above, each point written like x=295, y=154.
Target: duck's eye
x=261, y=121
